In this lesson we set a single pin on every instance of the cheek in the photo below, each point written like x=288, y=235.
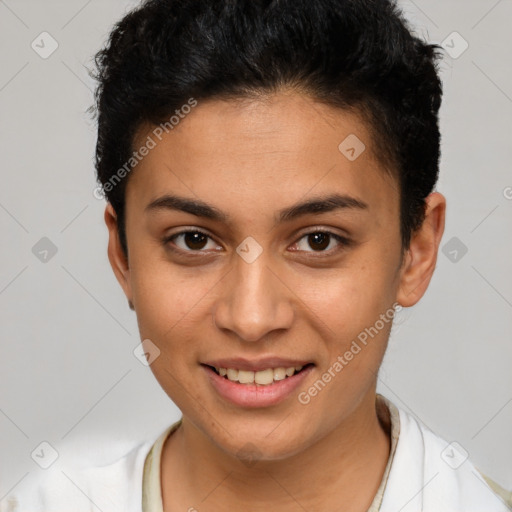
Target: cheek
x=167, y=306
x=167, y=314
x=357, y=309
x=350, y=298
x=354, y=304
x=163, y=292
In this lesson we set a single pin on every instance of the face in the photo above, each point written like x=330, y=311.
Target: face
x=256, y=245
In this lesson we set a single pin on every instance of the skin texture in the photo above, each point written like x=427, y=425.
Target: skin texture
x=250, y=159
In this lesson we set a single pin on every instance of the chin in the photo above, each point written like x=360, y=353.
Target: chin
x=253, y=448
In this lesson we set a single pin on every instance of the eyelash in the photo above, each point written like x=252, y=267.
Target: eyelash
x=342, y=241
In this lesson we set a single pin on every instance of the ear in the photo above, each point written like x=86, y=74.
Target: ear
x=421, y=257
x=116, y=256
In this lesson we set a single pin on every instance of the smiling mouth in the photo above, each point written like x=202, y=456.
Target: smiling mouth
x=263, y=377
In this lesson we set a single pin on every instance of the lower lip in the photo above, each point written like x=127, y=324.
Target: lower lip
x=256, y=395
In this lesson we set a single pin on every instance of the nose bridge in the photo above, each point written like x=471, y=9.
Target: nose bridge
x=253, y=303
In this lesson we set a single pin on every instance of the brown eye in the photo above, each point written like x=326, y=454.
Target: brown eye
x=195, y=240
x=191, y=241
x=321, y=242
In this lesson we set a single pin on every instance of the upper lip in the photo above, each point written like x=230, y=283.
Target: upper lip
x=255, y=365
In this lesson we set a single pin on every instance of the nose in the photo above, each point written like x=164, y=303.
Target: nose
x=253, y=301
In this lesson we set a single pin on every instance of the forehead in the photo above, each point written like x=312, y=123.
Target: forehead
x=265, y=151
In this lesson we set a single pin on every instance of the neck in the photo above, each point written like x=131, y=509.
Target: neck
x=346, y=466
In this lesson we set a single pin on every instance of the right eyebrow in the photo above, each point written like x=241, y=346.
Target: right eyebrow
x=193, y=206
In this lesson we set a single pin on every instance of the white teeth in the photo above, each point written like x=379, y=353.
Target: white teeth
x=245, y=377
x=279, y=373
x=262, y=377
x=232, y=374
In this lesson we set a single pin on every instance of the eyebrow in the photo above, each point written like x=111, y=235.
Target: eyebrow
x=200, y=208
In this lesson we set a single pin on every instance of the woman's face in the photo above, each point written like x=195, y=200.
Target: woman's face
x=278, y=246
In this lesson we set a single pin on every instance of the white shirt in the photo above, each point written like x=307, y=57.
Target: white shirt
x=424, y=473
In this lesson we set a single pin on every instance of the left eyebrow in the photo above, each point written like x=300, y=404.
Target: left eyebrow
x=321, y=205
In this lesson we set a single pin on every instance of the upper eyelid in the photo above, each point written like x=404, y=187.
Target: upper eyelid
x=327, y=230
x=185, y=231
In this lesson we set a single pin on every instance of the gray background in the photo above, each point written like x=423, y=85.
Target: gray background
x=68, y=375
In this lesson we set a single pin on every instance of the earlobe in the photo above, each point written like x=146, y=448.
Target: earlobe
x=116, y=256
x=421, y=257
